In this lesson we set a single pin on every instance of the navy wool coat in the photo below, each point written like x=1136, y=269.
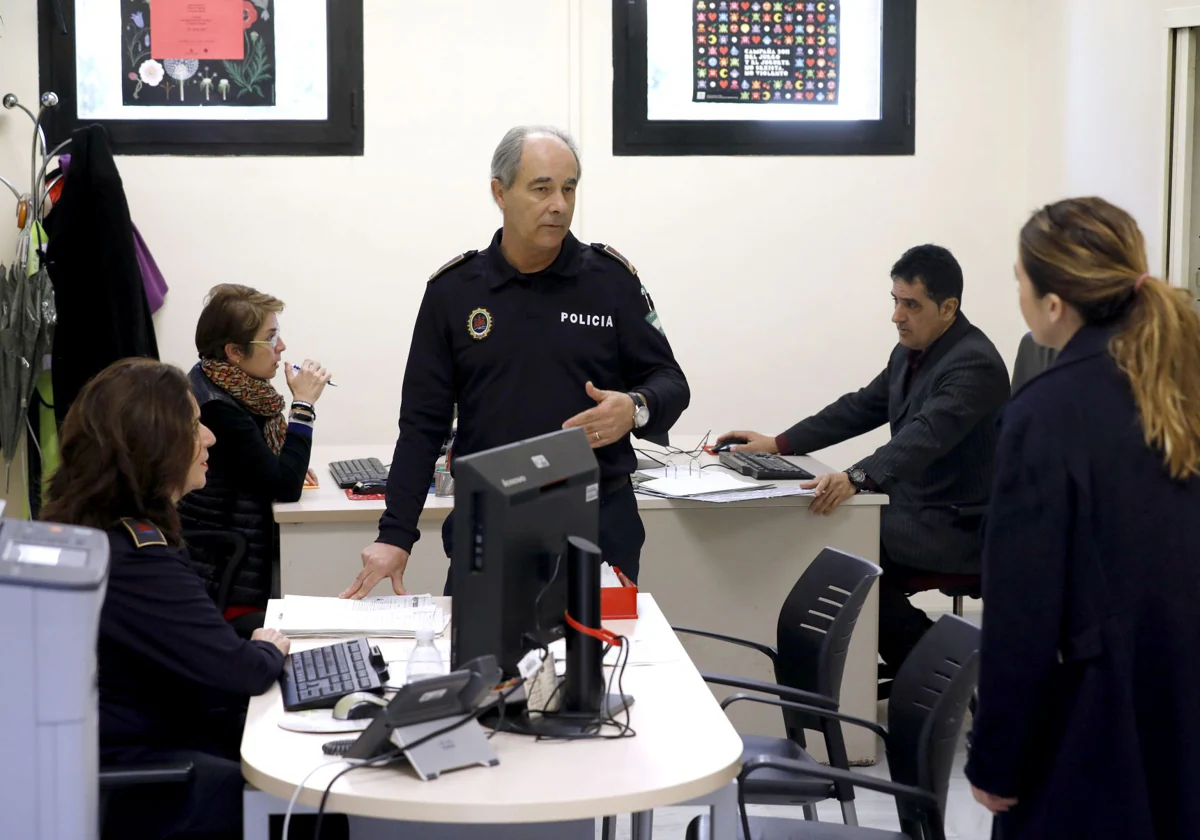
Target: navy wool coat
x=1089, y=690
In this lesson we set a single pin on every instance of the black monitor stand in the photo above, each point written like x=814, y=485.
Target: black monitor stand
x=586, y=704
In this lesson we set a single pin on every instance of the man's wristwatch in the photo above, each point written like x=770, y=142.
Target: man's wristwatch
x=641, y=411
x=858, y=477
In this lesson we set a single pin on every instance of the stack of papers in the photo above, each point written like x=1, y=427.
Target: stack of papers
x=400, y=616
x=709, y=486
x=684, y=482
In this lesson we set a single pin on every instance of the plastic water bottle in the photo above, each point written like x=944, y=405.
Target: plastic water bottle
x=425, y=660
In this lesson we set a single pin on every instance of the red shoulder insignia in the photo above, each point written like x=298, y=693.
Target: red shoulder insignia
x=143, y=533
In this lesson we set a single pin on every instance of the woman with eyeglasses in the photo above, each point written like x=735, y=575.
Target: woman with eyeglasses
x=263, y=446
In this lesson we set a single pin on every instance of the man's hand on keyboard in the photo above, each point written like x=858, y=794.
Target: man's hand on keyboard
x=262, y=634
x=755, y=442
x=379, y=560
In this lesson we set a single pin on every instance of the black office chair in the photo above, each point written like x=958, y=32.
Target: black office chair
x=1032, y=359
x=925, y=720
x=813, y=637
x=117, y=778
x=216, y=556
x=222, y=551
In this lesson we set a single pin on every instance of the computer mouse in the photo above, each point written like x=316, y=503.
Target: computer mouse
x=369, y=488
x=358, y=705
x=729, y=443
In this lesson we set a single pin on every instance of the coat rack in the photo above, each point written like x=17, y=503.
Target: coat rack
x=27, y=311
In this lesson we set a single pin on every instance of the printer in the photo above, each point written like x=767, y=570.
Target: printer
x=52, y=582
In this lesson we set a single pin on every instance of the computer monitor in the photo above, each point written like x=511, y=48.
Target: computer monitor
x=514, y=508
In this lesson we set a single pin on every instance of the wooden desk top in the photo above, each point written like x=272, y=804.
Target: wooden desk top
x=685, y=748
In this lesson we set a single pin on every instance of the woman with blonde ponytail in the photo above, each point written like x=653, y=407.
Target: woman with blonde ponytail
x=1089, y=693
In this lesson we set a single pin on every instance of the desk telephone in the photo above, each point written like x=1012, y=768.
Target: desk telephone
x=442, y=699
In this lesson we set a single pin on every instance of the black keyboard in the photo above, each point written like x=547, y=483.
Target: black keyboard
x=349, y=473
x=317, y=678
x=763, y=467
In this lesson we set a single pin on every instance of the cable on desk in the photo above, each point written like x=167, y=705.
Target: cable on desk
x=719, y=464
x=287, y=816
x=387, y=758
x=526, y=725
x=651, y=456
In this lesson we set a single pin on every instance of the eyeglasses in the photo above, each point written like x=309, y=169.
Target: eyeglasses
x=271, y=342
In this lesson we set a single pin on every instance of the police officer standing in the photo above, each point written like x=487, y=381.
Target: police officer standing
x=536, y=333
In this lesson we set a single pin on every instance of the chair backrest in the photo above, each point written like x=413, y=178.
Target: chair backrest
x=1032, y=359
x=218, y=553
x=816, y=623
x=928, y=704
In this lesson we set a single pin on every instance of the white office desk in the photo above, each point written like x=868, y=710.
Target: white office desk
x=725, y=568
x=685, y=748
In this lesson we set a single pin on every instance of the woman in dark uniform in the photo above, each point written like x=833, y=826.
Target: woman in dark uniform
x=173, y=677
x=1089, y=691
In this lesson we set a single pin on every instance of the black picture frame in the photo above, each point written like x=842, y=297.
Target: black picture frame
x=340, y=134
x=893, y=134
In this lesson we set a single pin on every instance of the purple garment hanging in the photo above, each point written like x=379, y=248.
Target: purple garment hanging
x=152, y=279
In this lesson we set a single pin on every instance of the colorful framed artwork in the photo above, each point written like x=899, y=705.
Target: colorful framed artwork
x=764, y=77
x=207, y=77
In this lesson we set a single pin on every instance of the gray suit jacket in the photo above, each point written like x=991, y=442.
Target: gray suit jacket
x=944, y=433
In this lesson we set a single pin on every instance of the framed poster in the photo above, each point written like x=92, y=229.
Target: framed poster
x=764, y=77
x=207, y=77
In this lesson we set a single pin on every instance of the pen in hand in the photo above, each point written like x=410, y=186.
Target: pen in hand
x=330, y=384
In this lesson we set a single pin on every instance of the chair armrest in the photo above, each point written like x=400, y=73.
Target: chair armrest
x=794, y=694
x=922, y=798
x=763, y=649
x=809, y=710
x=132, y=775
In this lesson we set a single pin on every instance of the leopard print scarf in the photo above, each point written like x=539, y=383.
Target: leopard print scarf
x=258, y=395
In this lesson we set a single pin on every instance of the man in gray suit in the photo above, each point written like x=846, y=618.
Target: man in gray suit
x=941, y=393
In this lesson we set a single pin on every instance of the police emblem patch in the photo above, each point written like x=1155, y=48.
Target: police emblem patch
x=479, y=324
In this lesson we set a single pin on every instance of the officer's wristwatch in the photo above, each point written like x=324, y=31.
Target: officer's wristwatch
x=641, y=411
x=858, y=477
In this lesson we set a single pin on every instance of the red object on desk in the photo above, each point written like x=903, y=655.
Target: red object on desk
x=618, y=602
x=354, y=497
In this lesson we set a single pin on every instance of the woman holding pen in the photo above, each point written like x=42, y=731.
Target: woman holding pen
x=262, y=451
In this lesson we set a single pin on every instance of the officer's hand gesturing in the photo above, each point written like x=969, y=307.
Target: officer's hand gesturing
x=609, y=421
x=379, y=560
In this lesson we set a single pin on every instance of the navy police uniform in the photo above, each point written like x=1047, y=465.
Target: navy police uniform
x=514, y=352
x=173, y=681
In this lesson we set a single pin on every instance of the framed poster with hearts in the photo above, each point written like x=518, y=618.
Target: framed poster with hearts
x=207, y=77
x=764, y=77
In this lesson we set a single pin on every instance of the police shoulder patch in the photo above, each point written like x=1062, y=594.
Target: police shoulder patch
x=461, y=258
x=143, y=533
x=612, y=253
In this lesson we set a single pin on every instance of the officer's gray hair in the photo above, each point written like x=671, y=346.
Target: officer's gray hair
x=506, y=160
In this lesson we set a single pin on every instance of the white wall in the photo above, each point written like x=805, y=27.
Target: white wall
x=767, y=328
x=1111, y=97
x=773, y=326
